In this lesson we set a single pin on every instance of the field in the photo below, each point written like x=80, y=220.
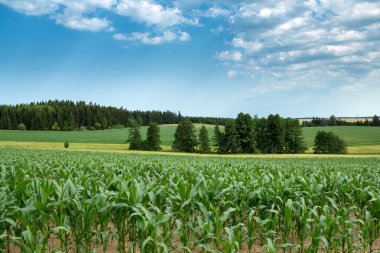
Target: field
x=361, y=140
x=80, y=201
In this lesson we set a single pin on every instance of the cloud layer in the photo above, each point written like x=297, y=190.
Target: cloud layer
x=280, y=45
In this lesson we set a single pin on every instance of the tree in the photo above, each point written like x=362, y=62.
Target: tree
x=66, y=144
x=375, y=121
x=153, y=137
x=329, y=143
x=276, y=134
x=185, y=139
x=134, y=139
x=294, y=142
x=219, y=140
x=332, y=120
x=245, y=128
x=204, y=141
x=232, y=142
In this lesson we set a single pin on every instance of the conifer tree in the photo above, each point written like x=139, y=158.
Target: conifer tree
x=204, y=141
x=232, y=143
x=134, y=137
x=185, y=139
x=153, y=137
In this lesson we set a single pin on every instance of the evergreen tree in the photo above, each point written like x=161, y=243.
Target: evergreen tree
x=134, y=139
x=185, y=139
x=204, y=141
x=375, y=121
x=332, y=121
x=153, y=137
x=219, y=140
x=276, y=134
x=294, y=142
x=232, y=143
x=262, y=139
x=245, y=127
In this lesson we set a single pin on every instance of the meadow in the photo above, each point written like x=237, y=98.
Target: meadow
x=57, y=201
x=360, y=140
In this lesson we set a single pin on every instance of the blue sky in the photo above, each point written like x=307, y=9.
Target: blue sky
x=206, y=58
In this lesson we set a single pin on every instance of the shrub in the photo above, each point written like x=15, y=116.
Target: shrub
x=66, y=144
x=55, y=127
x=98, y=126
x=21, y=127
x=329, y=143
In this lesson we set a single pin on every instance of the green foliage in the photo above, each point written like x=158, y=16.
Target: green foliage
x=219, y=140
x=153, y=138
x=231, y=136
x=329, y=143
x=98, y=126
x=160, y=203
x=55, y=127
x=246, y=130
x=185, y=139
x=21, y=127
x=134, y=138
x=66, y=144
x=294, y=142
x=204, y=141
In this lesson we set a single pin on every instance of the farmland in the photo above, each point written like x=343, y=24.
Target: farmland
x=360, y=140
x=80, y=201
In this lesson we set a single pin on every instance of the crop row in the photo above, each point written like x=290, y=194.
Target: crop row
x=151, y=203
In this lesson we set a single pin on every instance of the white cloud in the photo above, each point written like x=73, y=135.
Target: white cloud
x=150, y=39
x=184, y=36
x=151, y=13
x=231, y=73
x=249, y=46
x=81, y=23
x=230, y=56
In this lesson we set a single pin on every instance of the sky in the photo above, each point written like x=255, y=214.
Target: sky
x=203, y=58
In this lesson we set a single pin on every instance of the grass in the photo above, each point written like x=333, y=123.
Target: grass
x=360, y=140
x=109, y=136
x=354, y=136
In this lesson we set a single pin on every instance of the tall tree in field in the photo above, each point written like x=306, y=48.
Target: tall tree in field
x=332, y=121
x=262, y=139
x=219, y=140
x=153, y=137
x=245, y=128
x=276, y=134
x=204, y=141
x=185, y=139
x=375, y=121
x=294, y=142
x=232, y=143
x=134, y=138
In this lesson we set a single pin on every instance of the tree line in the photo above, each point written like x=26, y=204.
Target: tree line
x=333, y=121
x=271, y=135
x=68, y=115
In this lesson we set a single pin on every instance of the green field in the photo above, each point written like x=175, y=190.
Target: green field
x=361, y=140
x=54, y=201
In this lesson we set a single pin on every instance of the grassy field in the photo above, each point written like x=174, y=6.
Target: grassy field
x=361, y=140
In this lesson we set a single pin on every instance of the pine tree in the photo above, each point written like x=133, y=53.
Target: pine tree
x=185, y=139
x=204, y=141
x=153, y=137
x=134, y=138
x=294, y=142
x=219, y=140
x=232, y=143
x=276, y=134
x=245, y=127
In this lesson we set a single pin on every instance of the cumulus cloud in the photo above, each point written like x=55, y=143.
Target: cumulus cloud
x=151, y=13
x=230, y=56
x=151, y=39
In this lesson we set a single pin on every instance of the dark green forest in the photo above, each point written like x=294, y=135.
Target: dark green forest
x=68, y=115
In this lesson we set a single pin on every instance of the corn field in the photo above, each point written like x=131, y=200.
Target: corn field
x=56, y=201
